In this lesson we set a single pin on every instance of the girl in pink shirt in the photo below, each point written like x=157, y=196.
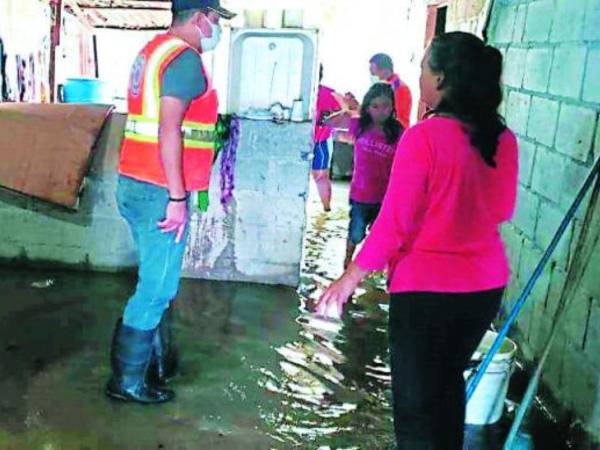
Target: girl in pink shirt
x=453, y=182
x=376, y=133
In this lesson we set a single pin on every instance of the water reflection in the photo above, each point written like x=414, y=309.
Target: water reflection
x=333, y=382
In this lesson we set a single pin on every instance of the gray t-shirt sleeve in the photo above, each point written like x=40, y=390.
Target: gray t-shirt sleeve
x=184, y=78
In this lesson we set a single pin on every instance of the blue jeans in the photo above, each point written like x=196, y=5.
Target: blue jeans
x=362, y=216
x=143, y=205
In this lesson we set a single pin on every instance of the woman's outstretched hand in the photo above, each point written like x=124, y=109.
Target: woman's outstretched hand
x=340, y=291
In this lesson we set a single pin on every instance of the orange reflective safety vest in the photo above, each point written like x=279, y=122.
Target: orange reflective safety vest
x=140, y=154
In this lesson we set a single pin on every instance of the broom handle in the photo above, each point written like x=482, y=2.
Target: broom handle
x=503, y=332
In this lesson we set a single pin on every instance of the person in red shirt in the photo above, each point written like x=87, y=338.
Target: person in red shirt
x=453, y=183
x=328, y=102
x=382, y=69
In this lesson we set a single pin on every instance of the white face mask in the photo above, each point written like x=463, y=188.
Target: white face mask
x=375, y=79
x=208, y=44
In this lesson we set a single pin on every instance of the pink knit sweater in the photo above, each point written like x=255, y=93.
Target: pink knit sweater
x=438, y=230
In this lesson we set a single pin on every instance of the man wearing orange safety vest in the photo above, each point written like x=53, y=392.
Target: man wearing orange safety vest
x=167, y=153
x=382, y=69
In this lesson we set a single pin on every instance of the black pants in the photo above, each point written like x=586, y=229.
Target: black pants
x=432, y=338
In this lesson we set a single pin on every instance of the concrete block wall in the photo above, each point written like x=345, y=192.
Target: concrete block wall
x=261, y=237
x=94, y=237
x=552, y=101
x=258, y=239
x=465, y=15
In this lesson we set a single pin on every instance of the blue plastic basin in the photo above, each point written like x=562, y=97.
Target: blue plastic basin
x=86, y=90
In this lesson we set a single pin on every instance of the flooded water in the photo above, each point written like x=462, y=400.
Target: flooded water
x=258, y=371
x=333, y=381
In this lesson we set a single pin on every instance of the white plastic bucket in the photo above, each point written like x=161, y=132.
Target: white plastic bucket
x=487, y=403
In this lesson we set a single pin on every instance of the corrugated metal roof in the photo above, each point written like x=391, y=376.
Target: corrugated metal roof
x=127, y=14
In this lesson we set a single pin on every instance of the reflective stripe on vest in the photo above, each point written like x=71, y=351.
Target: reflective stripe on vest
x=195, y=135
x=151, y=98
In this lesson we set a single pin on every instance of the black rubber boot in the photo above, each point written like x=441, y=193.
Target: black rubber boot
x=164, y=361
x=130, y=356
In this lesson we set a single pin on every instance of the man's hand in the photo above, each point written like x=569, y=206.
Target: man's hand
x=176, y=219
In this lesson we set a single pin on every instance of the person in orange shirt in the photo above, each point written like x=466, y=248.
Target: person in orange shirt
x=382, y=69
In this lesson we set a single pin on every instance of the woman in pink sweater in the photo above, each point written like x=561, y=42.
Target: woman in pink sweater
x=453, y=183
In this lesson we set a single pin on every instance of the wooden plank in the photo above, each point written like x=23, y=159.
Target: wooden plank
x=45, y=149
x=55, y=32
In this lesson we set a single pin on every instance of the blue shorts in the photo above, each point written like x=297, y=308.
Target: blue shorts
x=362, y=216
x=321, y=155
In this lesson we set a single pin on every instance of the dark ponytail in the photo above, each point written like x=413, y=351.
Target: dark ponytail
x=472, y=91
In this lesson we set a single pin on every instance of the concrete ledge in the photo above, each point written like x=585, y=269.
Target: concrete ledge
x=259, y=239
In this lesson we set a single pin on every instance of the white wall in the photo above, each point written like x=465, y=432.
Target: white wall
x=351, y=32
x=349, y=35
x=75, y=54
x=24, y=24
x=116, y=52
x=24, y=40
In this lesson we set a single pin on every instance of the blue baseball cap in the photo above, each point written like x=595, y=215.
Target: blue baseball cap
x=211, y=5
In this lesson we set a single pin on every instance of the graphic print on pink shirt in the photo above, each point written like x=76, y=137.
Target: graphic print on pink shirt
x=373, y=158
